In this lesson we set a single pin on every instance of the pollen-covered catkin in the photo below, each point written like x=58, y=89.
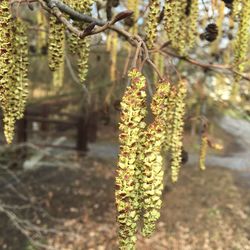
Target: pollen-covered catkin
x=41, y=40
x=203, y=151
x=5, y=51
x=181, y=21
x=241, y=43
x=113, y=56
x=170, y=116
x=83, y=44
x=13, y=69
x=20, y=66
x=169, y=21
x=152, y=21
x=56, y=40
x=192, y=22
x=152, y=180
x=133, y=112
x=177, y=130
x=58, y=75
x=134, y=6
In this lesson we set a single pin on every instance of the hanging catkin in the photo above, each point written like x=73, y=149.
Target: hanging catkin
x=177, y=130
x=84, y=6
x=152, y=22
x=134, y=6
x=181, y=21
x=152, y=167
x=20, y=64
x=13, y=69
x=203, y=151
x=241, y=44
x=58, y=75
x=192, y=23
x=41, y=33
x=56, y=40
x=132, y=125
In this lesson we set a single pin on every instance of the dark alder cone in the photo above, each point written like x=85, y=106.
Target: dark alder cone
x=211, y=32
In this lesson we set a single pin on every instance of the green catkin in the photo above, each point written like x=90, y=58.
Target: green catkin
x=5, y=51
x=181, y=42
x=83, y=59
x=237, y=6
x=41, y=40
x=134, y=6
x=56, y=40
x=192, y=22
x=203, y=151
x=13, y=69
x=131, y=127
x=152, y=181
x=20, y=59
x=71, y=37
x=177, y=130
x=83, y=44
x=241, y=44
x=152, y=22
x=169, y=19
x=170, y=116
x=58, y=75
x=180, y=24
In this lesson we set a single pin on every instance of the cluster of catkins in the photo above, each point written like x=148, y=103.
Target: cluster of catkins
x=181, y=20
x=139, y=181
x=77, y=45
x=13, y=69
x=180, y=23
x=80, y=46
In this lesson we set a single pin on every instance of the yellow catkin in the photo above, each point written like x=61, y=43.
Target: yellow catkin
x=113, y=56
x=41, y=33
x=152, y=21
x=169, y=19
x=132, y=125
x=134, y=6
x=109, y=42
x=152, y=178
x=180, y=43
x=192, y=22
x=177, y=130
x=170, y=118
x=83, y=58
x=241, y=44
x=58, y=75
x=56, y=40
x=203, y=151
x=180, y=23
x=84, y=6
x=13, y=69
x=237, y=6
x=112, y=68
x=20, y=59
x=5, y=51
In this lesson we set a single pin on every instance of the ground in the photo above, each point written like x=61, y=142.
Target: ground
x=72, y=208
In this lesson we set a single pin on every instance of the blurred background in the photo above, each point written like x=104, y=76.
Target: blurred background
x=57, y=177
